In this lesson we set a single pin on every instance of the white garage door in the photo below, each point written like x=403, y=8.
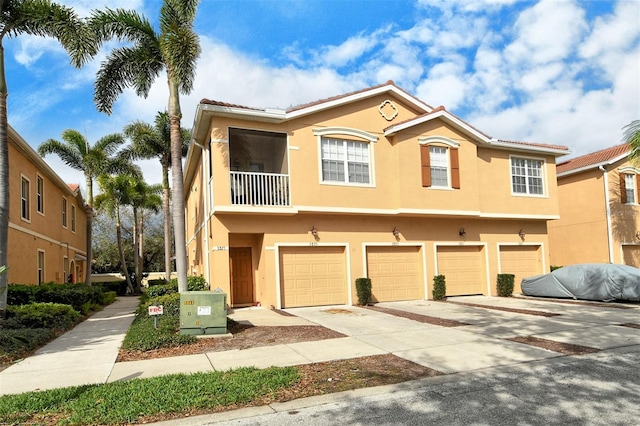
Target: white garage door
x=313, y=276
x=521, y=261
x=631, y=255
x=463, y=268
x=395, y=273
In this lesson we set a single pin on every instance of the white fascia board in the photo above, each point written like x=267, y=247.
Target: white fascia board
x=439, y=114
x=593, y=166
x=528, y=148
x=359, y=96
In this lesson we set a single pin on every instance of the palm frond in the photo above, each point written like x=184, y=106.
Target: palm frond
x=632, y=137
x=67, y=153
x=122, y=24
x=109, y=144
x=180, y=51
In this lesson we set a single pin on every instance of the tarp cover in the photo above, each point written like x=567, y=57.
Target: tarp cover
x=589, y=281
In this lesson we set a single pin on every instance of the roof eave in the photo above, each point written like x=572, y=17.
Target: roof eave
x=593, y=166
x=556, y=152
x=439, y=114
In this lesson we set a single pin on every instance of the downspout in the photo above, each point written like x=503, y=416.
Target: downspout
x=205, y=195
x=608, y=212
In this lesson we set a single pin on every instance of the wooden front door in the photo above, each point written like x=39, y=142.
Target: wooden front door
x=241, y=276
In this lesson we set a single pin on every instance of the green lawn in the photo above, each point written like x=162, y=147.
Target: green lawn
x=127, y=402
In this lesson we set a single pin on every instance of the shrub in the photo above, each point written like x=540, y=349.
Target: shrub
x=159, y=281
x=15, y=343
x=554, y=267
x=363, y=290
x=439, y=288
x=505, y=285
x=42, y=315
x=69, y=294
x=119, y=287
x=194, y=283
x=161, y=290
x=20, y=294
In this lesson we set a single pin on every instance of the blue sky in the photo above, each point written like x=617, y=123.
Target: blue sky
x=558, y=72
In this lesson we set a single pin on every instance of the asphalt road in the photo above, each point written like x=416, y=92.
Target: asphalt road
x=596, y=389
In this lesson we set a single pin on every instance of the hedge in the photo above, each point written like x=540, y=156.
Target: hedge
x=55, y=316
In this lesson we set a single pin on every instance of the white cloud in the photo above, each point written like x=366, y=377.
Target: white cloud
x=445, y=85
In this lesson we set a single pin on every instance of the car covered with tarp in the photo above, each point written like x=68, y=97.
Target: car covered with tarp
x=588, y=281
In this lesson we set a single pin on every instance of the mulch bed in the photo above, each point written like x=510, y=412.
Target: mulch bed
x=563, y=348
x=501, y=308
x=418, y=317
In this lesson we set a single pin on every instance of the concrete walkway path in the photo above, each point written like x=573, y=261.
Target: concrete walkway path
x=84, y=355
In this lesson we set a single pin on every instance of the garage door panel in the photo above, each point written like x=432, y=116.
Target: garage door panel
x=521, y=261
x=631, y=255
x=394, y=273
x=463, y=269
x=313, y=276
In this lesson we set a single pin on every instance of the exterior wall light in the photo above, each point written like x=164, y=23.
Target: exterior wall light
x=314, y=231
x=521, y=234
x=396, y=232
x=462, y=232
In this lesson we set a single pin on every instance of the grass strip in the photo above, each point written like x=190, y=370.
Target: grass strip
x=126, y=402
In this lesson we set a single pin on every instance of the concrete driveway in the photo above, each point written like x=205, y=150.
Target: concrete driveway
x=482, y=343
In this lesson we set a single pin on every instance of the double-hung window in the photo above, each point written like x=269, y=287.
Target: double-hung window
x=440, y=163
x=345, y=161
x=25, y=190
x=40, y=194
x=629, y=184
x=439, y=166
x=527, y=176
x=73, y=218
x=64, y=212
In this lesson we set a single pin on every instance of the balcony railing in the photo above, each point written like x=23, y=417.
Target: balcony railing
x=259, y=189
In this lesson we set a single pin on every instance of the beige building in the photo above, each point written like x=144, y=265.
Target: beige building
x=599, y=210
x=289, y=208
x=47, y=221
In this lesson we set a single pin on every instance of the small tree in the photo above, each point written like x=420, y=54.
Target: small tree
x=439, y=288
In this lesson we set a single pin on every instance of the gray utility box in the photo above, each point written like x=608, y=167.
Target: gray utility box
x=203, y=312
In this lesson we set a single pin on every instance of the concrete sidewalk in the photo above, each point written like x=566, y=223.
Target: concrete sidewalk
x=87, y=353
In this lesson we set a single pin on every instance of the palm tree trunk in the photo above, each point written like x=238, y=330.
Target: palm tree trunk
x=4, y=186
x=177, y=185
x=136, y=253
x=166, y=207
x=89, y=211
x=123, y=262
x=140, y=253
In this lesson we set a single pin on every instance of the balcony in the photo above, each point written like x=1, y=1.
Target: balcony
x=259, y=189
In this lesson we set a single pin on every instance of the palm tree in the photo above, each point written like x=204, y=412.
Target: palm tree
x=142, y=197
x=175, y=49
x=115, y=191
x=632, y=137
x=154, y=141
x=93, y=161
x=40, y=18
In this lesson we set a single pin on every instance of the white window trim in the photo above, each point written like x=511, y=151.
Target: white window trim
x=25, y=219
x=65, y=208
x=38, y=269
x=38, y=177
x=338, y=133
x=439, y=141
x=545, y=183
x=73, y=218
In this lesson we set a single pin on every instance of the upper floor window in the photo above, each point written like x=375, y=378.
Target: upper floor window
x=73, y=218
x=25, y=212
x=345, y=161
x=440, y=164
x=527, y=176
x=40, y=267
x=629, y=184
x=64, y=212
x=40, y=194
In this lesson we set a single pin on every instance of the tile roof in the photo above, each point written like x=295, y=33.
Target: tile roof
x=73, y=186
x=540, y=145
x=593, y=159
x=224, y=104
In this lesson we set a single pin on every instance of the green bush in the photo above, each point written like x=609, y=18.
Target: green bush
x=363, y=290
x=142, y=336
x=161, y=290
x=42, y=315
x=20, y=294
x=439, y=288
x=194, y=283
x=505, y=285
x=119, y=287
x=16, y=343
x=159, y=281
x=554, y=267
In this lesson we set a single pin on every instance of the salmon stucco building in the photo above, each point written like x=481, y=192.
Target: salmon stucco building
x=47, y=221
x=288, y=208
x=599, y=221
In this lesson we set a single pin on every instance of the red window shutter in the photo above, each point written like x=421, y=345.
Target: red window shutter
x=426, y=165
x=623, y=189
x=455, y=168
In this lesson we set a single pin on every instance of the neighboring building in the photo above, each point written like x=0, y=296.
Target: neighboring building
x=599, y=210
x=289, y=208
x=47, y=221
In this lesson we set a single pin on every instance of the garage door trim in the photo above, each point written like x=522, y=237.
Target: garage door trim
x=423, y=258
x=484, y=246
x=277, y=246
